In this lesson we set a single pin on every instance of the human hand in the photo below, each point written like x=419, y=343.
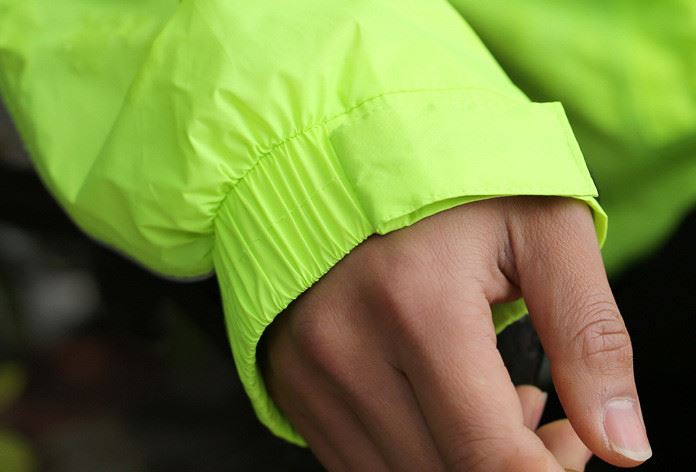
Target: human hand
x=389, y=361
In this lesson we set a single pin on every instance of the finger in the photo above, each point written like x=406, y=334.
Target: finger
x=384, y=403
x=359, y=367
x=317, y=411
x=463, y=388
x=321, y=447
x=532, y=401
x=563, y=281
x=560, y=438
x=333, y=428
x=351, y=358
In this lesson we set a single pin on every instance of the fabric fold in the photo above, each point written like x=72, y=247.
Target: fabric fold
x=375, y=169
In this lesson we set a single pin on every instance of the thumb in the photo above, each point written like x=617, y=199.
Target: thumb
x=564, y=283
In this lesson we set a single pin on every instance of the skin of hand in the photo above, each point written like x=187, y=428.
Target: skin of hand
x=389, y=361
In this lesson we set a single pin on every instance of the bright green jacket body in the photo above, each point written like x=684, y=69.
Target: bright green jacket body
x=263, y=140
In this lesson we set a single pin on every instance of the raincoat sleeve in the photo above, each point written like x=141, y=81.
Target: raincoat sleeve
x=264, y=140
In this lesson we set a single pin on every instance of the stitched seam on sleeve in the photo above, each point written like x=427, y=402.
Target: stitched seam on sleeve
x=331, y=118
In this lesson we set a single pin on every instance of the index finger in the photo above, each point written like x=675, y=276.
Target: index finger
x=464, y=390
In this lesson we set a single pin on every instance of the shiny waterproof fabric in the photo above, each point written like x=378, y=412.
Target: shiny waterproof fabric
x=265, y=140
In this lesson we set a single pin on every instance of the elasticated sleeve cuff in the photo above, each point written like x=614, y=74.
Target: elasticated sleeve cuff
x=381, y=165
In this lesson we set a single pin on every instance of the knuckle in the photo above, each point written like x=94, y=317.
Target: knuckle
x=397, y=290
x=602, y=342
x=470, y=455
x=467, y=443
x=398, y=295
x=316, y=337
x=467, y=462
x=416, y=297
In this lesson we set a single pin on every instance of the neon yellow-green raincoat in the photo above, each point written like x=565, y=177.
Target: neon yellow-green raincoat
x=263, y=140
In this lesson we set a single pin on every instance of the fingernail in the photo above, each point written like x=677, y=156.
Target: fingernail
x=625, y=429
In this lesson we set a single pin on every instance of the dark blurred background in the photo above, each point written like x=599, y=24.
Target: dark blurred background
x=105, y=367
